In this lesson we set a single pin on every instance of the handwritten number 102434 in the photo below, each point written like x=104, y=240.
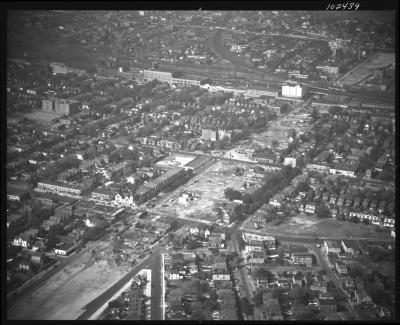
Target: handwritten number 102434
x=343, y=6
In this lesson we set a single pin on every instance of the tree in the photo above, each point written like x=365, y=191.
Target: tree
x=275, y=143
x=93, y=234
x=356, y=271
x=365, y=221
x=258, y=299
x=314, y=113
x=322, y=212
x=232, y=194
x=247, y=307
x=355, y=219
x=263, y=274
x=335, y=110
x=303, y=187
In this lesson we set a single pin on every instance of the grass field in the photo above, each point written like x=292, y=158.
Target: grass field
x=307, y=225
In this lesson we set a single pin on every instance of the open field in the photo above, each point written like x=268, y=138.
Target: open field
x=306, y=225
x=208, y=189
x=65, y=294
x=363, y=70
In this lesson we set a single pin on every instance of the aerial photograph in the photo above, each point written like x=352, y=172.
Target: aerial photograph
x=200, y=165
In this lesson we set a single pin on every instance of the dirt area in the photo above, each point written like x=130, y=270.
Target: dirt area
x=363, y=70
x=278, y=130
x=175, y=160
x=41, y=116
x=68, y=291
x=208, y=189
x=304, y=225
x=275, y=131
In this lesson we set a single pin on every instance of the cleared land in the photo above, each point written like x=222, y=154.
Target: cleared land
x=208, y=189
x=363, y=70
x=67, y=292
x=305, y=225
x=175, y=160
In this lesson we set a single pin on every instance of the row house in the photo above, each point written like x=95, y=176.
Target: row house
x=374, y=219
x=258, y=257
x=302, y=258
x=254, y=245
x=341, y=268
x=104, y=194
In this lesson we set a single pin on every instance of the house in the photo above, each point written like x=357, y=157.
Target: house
x=37, y=258
x=64, y=249
x=350, y=247
x=340, y=268
x=15, y=193
x=298, y=279
x=309, y=208
x=25, y=238
x=302, y=258
x=332, y=246
x=24, y=265
x=319, y=284
x=361, y=296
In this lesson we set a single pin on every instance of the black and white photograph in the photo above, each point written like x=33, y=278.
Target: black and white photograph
x=199, y=162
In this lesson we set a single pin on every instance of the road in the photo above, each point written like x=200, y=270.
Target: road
x=244, y=280
x=152, y=262
x=216, y=44
x=322, y=261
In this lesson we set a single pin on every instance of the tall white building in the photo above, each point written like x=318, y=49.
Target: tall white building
x=291, y=91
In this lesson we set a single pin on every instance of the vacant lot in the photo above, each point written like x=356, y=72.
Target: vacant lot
x=65, y=294
x=208, y=189
x=363, y=70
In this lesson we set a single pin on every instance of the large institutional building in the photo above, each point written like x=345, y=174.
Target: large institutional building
x=292, y=91
x=60, y=106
